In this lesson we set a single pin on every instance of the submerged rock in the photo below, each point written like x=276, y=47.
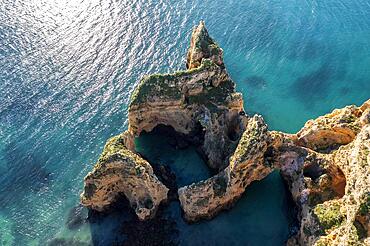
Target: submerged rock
x=77, y=216
x=325, y=165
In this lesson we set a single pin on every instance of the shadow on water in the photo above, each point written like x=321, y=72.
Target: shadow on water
x=120, y=226
x=313, y=87
x=255, y=82
x=265, y=215
x=25, y=173
x=170, y=151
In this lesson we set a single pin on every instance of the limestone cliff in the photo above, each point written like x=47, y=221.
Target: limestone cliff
x=331, y=130
x=202, y=46
x=331, y=188
x=200, y=103
x=325, y=164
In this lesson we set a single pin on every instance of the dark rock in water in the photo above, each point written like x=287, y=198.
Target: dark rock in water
x=77, y=216
x=344, y=91
x=256, y=82
x=67, y=242
x=168, y=178
x=308, y=49
x=157, y=231
x=24, y=173
x=312, y=87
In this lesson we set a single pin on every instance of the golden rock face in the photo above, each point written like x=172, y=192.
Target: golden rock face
x=325, y=165
x=121, y=171
x=202, y=46
x=331, y=188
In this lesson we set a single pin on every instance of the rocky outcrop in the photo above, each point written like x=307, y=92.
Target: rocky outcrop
x=200, y=102
x=331, y=189
x=346, y=221
x=120, y=171
x=202, y=46
x=331, y=130
x=325, y=165
x=206, y=198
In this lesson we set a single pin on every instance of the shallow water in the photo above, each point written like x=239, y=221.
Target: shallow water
x=67, y=69
x=160, y=149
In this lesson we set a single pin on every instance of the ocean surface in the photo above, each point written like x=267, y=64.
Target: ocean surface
x=68, y=67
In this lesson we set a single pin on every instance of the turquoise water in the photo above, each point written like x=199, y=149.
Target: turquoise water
x=67, y=69
x=159, y=149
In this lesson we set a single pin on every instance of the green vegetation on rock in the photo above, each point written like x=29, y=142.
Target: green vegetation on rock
x=365, y=206
x=329, y=215
x=213, y=96
x=115, y=149
x=165, y=86
x=253, y=140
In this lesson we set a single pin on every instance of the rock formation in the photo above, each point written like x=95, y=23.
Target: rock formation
x=206, y=198
x=337, y=128
x=332, y=188
x=202, y=46
x=200, y=102
x=120, y=171
x=325, y=165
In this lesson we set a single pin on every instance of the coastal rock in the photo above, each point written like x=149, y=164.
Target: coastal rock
x=202, y=46
x=332, y=130
x=344, y=220
x=200, y=102
x=121, y=171
x=206, y=198
x=330, y=189
x=353, y=229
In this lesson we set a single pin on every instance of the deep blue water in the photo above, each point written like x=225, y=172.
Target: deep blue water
x=67, y=69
